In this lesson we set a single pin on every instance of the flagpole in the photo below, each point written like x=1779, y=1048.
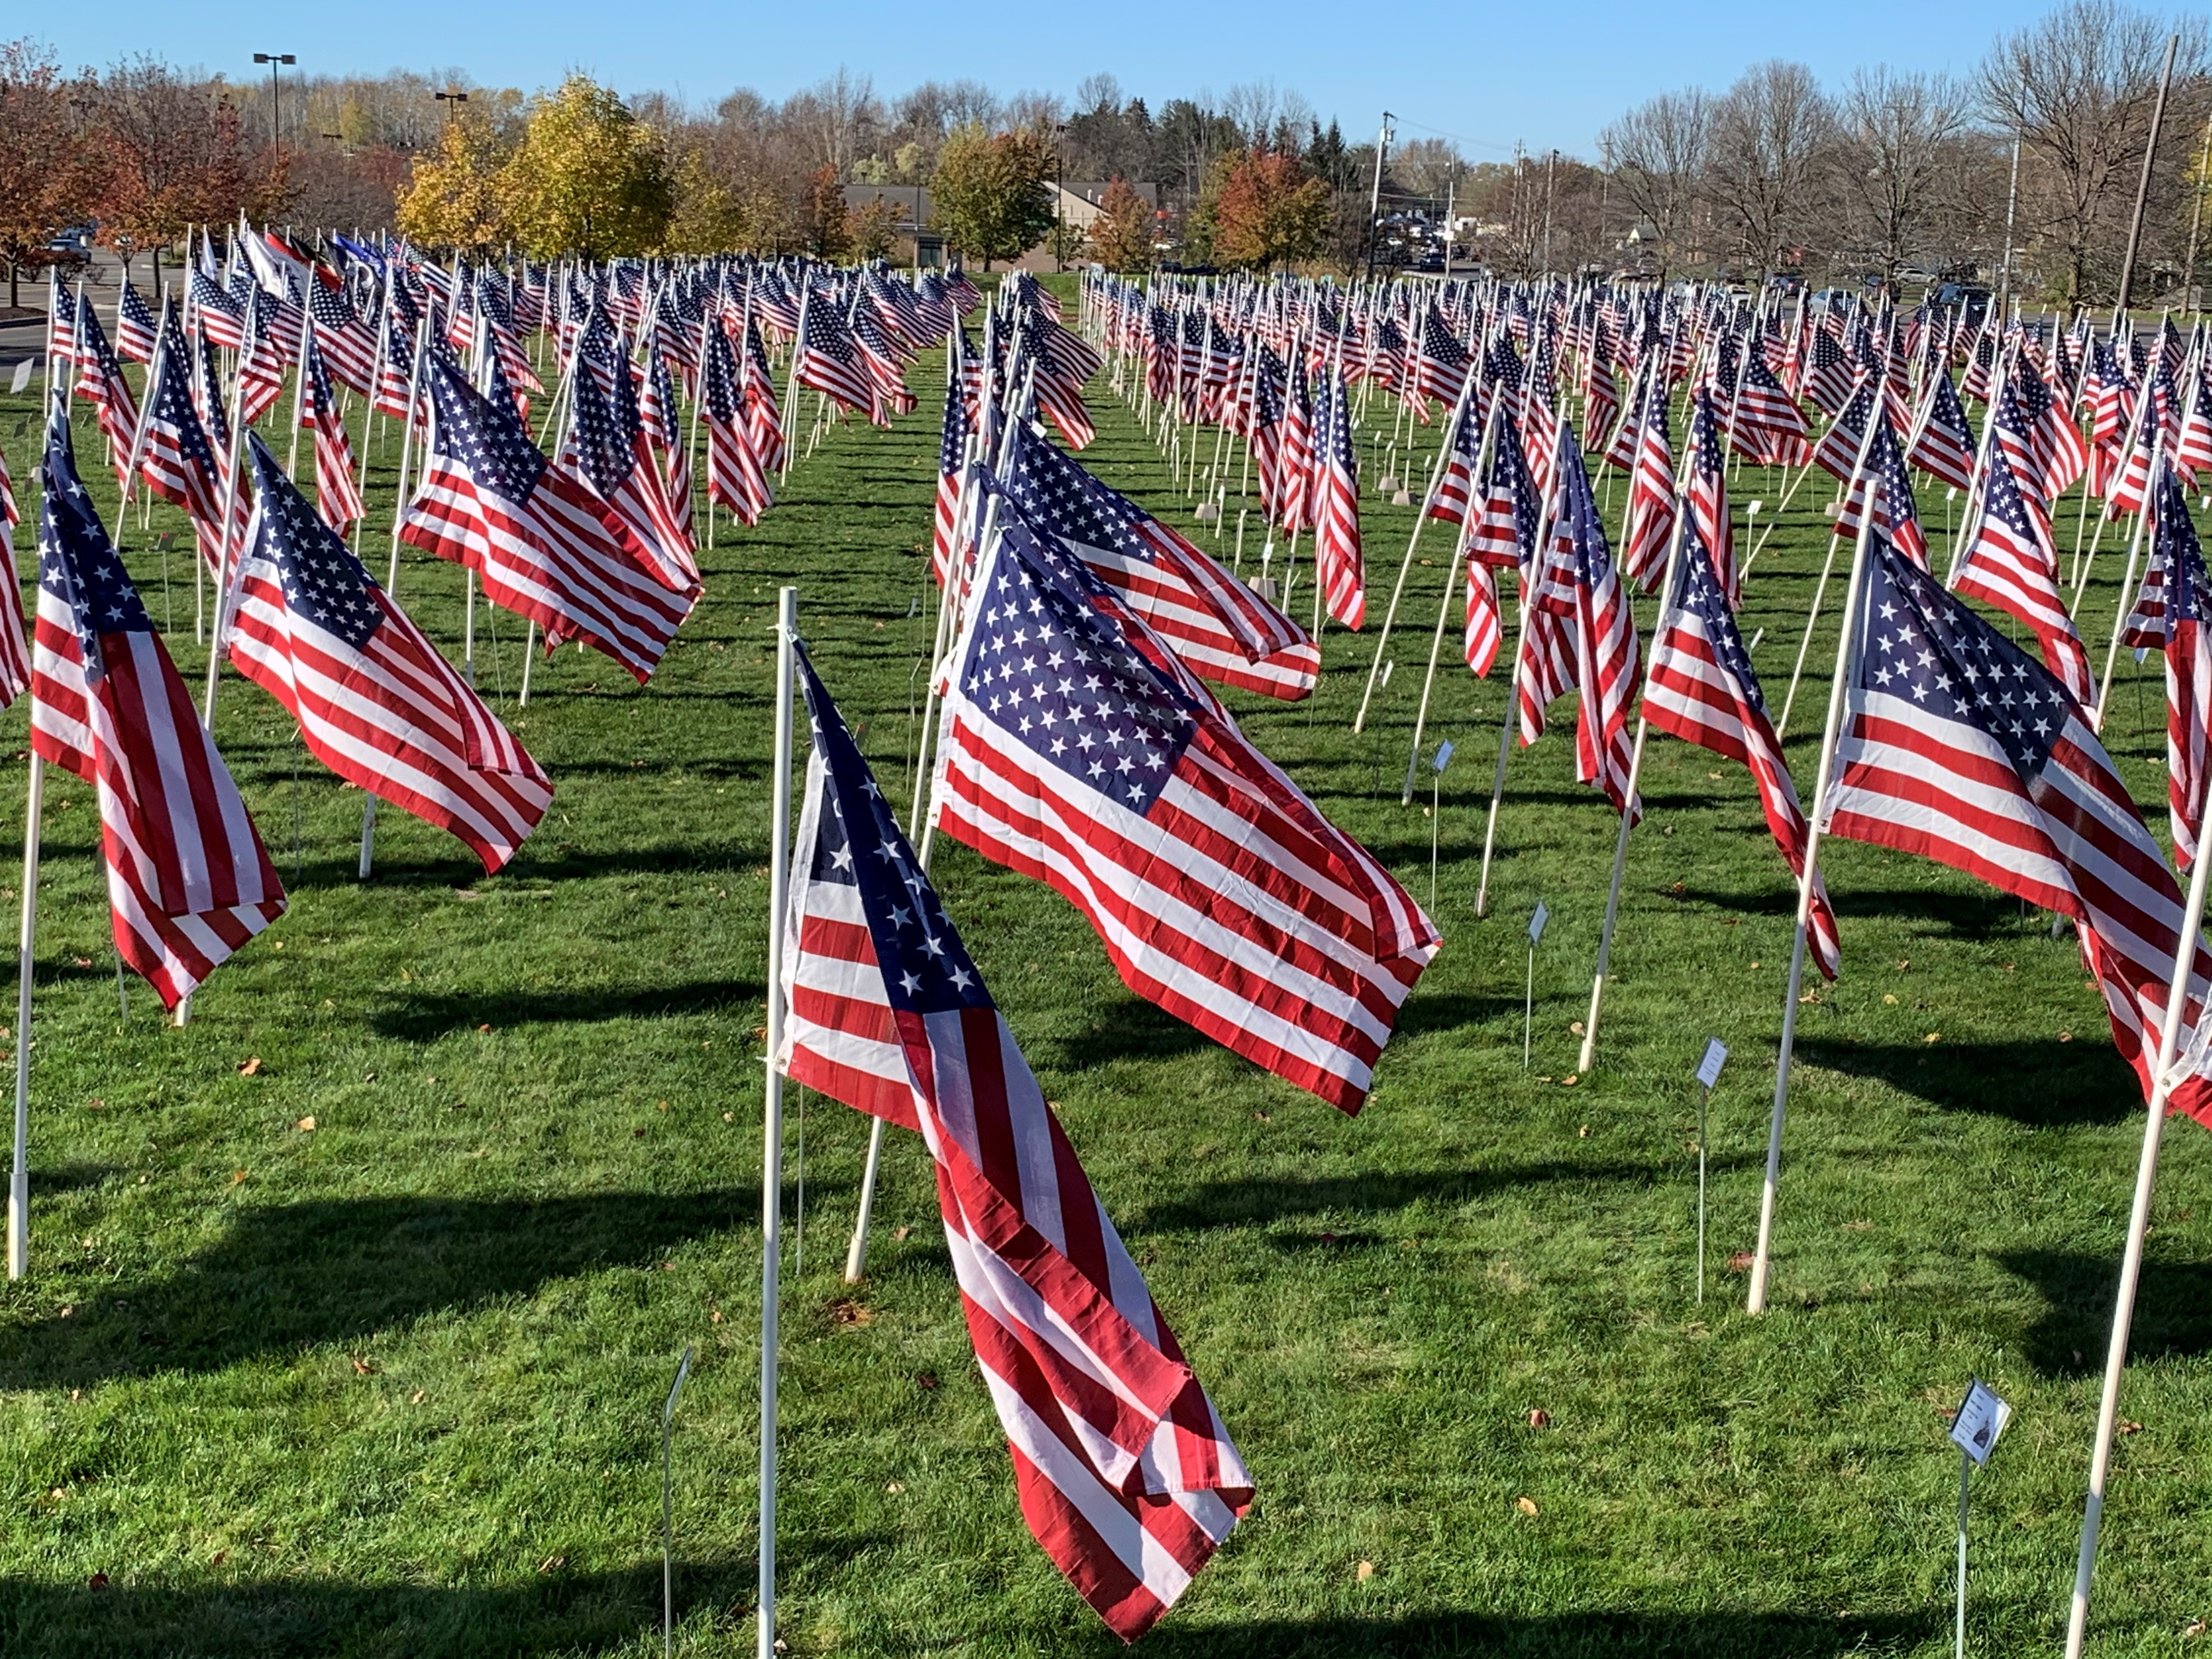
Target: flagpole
x=222, y=571
x=2134, y=553
x=772, y=1123
x=2124, y=1306
x=1762, y=1259
x=1635, y=772
x=1412, y=546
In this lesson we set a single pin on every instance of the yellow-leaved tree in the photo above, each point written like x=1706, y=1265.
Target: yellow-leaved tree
x=707, y=216
x=452, y=199
x=589, y=178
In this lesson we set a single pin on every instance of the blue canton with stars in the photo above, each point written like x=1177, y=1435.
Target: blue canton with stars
x=858, y=843
x=1698, y=594
x=324, y=583
x=1055, y=493
x=486, y=437
x=1059, y=677
x=77, y=563
x=1924, y=646
x=606, y=433
x=173, y=401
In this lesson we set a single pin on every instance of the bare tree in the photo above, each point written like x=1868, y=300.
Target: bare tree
x=839, y=116
x=1658, y=153
x=1768, y=132
x=2078, y=88
x=1897, y=164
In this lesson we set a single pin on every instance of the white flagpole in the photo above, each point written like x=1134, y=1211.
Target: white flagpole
x=1762, y=1259
x=772, y=1132
x=19, y=1177
x=1413, y=542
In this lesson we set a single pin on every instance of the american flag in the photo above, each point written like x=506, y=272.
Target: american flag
x=1127, y=1477
x=829, y=361
x=735, y=476
x=544, y=546
x=1768, y=428
x=401, y=321
x=606, y=448
x=1709, y=499
x=222, y=316
x=1896, y=514
x=2192, y=450
x=1463, y=455
x=1958, y=747
x=1945, y=448
x=336, y=493
x=1058, y=392
x=1484, y=631
x=260, y=362
x=1335, y=485
x=100, y=381
x=2013, y=564
x=1702, y=690
x=1221, y=630
x=178, y=463
x=135, y=333
x=349, y=347
x=1440, y=364
x=1650, y=525
x=1838, y=452
x=763, y=414
x=1829, y=375
x=1607, y=662
x=1074, y=751
x=2170, y=618
x=188, y=881
x=885, y=361
x=1295, y=461
x=374, y=699
x=952, y=463
x=15, y=652
x=1506, y=504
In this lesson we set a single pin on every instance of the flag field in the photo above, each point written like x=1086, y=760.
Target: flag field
x=353, y=1302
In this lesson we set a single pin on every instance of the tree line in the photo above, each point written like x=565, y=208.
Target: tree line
x=1893, y=176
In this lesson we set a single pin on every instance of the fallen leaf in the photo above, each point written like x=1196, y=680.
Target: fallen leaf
x=1741, y=1261
x=2066, y=1037
x=926, y=1381
x=900, y=1235
x=306, y=1126
x=729, y=1117
x=483, y=1028
x=639, y=1134
x=663, y=1105
x=1754, y=964
x=237, y=1176
x=218, y=1558
x=1569, y=1082
x=553, y=1563
x=97, y=1581
x=714, y=1317
x=1366, y=1571
x=416, y=1398
x=894, y=1487
x=1261, y=1117
x=1539, y=1418
x=1526, y=1506
x=361, y=1365
x=846, y=1311
x=1576, y=1026
x=467, y=895
x=1582, y=1133
x=250, y=1067
x=83, y=962
x=2197, y=1627
x=1933, y=1036
x=1889, y=999
x=2126, y=1426
x=1904, y=963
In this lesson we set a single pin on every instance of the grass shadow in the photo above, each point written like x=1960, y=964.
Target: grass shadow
x=422, y=1018
x=2172, y=1317
x=289, y=1276
x=2039, y=1082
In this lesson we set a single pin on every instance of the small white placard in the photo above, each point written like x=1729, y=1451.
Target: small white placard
x=1980, y=1420
x=1444, y=756
x=24, y=370
x=1753, y=510
x=1709, y=1068
x=1536, y=922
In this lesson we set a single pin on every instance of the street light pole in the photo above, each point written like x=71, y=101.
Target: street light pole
x=452, y=100
x=276, y=109
x=1375, y=195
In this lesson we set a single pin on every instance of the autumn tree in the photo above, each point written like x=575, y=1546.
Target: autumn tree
x=992, y=198
x=453, y=199
x=826, y=223
x=174, y=153
x=1269, y=213
x=707, y=216
x=1121, y=235
x=45, y=183
x=589, y=178
x=875, y=228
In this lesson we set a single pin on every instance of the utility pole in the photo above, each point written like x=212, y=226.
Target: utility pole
x=1551, y=169
x=2197, y=218
x=276, y=109
x=2012, y=201
x=2143, y=184
x=1374, y=194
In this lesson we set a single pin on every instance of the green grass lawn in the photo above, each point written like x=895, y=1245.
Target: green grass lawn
x=390, y=1385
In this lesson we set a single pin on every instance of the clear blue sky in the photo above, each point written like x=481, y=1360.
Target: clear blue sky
x=1544, y=74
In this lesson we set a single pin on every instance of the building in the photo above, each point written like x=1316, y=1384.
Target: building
x=914, y=212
